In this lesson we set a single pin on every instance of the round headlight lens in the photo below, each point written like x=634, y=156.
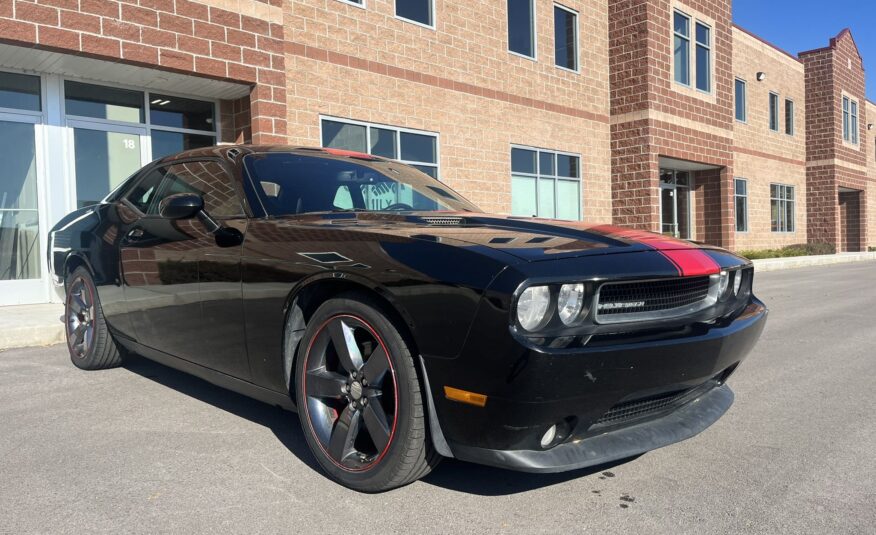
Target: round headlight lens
x=570, y=302
x=532, y=307
x=737, y=282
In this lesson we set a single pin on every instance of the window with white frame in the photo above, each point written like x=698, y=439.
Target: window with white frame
x=358, y=3
x=521, y=27
x=704, y=57
x=850, y=120
x=681, y=47
x=774, y=112
x=413, y=147
x=740, y=198
x=565, y=38
x=700, y=69
x=545, y=183
x=782, y=208
x=789, y=117
x=740, y=98
x=419, y=11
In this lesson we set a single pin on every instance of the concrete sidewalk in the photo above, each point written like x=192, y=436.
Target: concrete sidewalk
x=38, y=325
x=776, y=264
x=31, y=325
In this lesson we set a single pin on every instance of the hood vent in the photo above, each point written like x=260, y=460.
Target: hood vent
x=443, y=221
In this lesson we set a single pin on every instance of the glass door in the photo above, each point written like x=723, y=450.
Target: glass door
x=103, y=157
x=675, y=203
x=21, y=252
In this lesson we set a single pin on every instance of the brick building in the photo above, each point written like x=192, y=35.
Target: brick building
x=658, y=114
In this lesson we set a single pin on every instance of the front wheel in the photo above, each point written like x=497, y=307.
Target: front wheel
x=359, y=398
x=88, y=338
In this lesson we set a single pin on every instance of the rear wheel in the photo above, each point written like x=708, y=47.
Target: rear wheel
x=88, y=338
x=359, y=398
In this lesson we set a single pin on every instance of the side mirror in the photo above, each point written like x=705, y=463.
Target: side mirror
x=181, y=206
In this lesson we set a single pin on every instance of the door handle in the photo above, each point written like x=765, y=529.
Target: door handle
x=134, y=234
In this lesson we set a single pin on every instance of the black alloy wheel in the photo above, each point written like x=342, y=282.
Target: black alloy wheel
x=80, y=317
x=352, y=397
x=88, y=338
x=358, y=396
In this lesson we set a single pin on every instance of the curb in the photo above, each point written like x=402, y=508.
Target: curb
x=31, y=336
x=793, y=262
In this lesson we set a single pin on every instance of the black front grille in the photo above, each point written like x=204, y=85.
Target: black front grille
x=651, y=296
x=639, y=408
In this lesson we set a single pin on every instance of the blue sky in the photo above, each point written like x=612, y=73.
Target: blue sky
x=806, y=24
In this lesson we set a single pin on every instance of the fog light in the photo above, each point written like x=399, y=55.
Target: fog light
x=549, y=436
x=737, y=281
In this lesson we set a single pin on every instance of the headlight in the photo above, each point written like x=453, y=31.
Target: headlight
x=723, y=281
x=737, y=281
x=570, y=302
x=532, y=307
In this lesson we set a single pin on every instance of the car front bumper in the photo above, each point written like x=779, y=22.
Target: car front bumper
x=597, y=394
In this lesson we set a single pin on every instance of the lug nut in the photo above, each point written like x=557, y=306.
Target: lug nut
x=364, y=401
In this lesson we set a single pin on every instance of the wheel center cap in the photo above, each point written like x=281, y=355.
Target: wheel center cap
x=356, y=390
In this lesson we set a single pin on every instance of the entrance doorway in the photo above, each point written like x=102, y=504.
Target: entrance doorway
x=850, y=220
x=675, y=204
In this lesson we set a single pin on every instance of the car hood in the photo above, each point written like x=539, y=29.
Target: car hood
x=528, y=239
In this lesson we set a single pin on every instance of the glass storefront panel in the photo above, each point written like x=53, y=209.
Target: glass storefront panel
x=178, y=112
x=165, y=143
x=102, y=161
x=102, y=102
x=20, y=252
x=20, y=91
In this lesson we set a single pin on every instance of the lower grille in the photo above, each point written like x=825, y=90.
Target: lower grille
x=654, y=299
x=639, y=408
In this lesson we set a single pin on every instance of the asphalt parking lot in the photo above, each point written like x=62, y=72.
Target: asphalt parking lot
x=147, y=449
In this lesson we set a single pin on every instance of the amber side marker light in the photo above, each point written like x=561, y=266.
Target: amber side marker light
x=463, y=396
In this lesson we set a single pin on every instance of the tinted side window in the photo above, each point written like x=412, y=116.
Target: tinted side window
x=209, y=180
x=143, y=193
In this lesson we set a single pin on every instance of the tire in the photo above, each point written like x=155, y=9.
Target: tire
x=89, y=341
x=367, y=436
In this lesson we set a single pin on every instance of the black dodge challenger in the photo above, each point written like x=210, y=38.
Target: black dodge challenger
x=399, y=321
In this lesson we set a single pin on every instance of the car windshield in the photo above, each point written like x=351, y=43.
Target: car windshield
x=290, y=183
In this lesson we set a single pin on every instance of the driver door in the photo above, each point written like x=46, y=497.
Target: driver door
x=183, y=282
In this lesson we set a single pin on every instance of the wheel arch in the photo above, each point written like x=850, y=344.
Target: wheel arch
x=76, y=260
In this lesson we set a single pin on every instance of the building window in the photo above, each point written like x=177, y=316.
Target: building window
x=413, y=147
x=565, y=38
x=741, y=202
x=741, y=109
x=850, y=120
x=545, y=183
x=774, y=112
x=704, y=57
x=782, y=208
x=521, y=27
x=357, y=3
x=789, y=117
x=419, y=11
x=19, y=92
x=681, y=47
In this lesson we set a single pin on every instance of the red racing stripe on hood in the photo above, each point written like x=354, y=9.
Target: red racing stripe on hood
x=689, y=259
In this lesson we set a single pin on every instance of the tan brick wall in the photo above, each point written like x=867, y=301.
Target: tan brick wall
x=458, y=81
x=870, y=149
x=763, y=156
x=235, y=40
x=653, y=116
x=832, y=163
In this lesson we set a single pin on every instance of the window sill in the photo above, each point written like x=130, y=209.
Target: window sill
x=415, y=23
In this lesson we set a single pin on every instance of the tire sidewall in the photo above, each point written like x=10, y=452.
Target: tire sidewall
x=378, y=476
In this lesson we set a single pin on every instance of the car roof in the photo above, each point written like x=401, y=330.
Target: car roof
x=233, y=152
